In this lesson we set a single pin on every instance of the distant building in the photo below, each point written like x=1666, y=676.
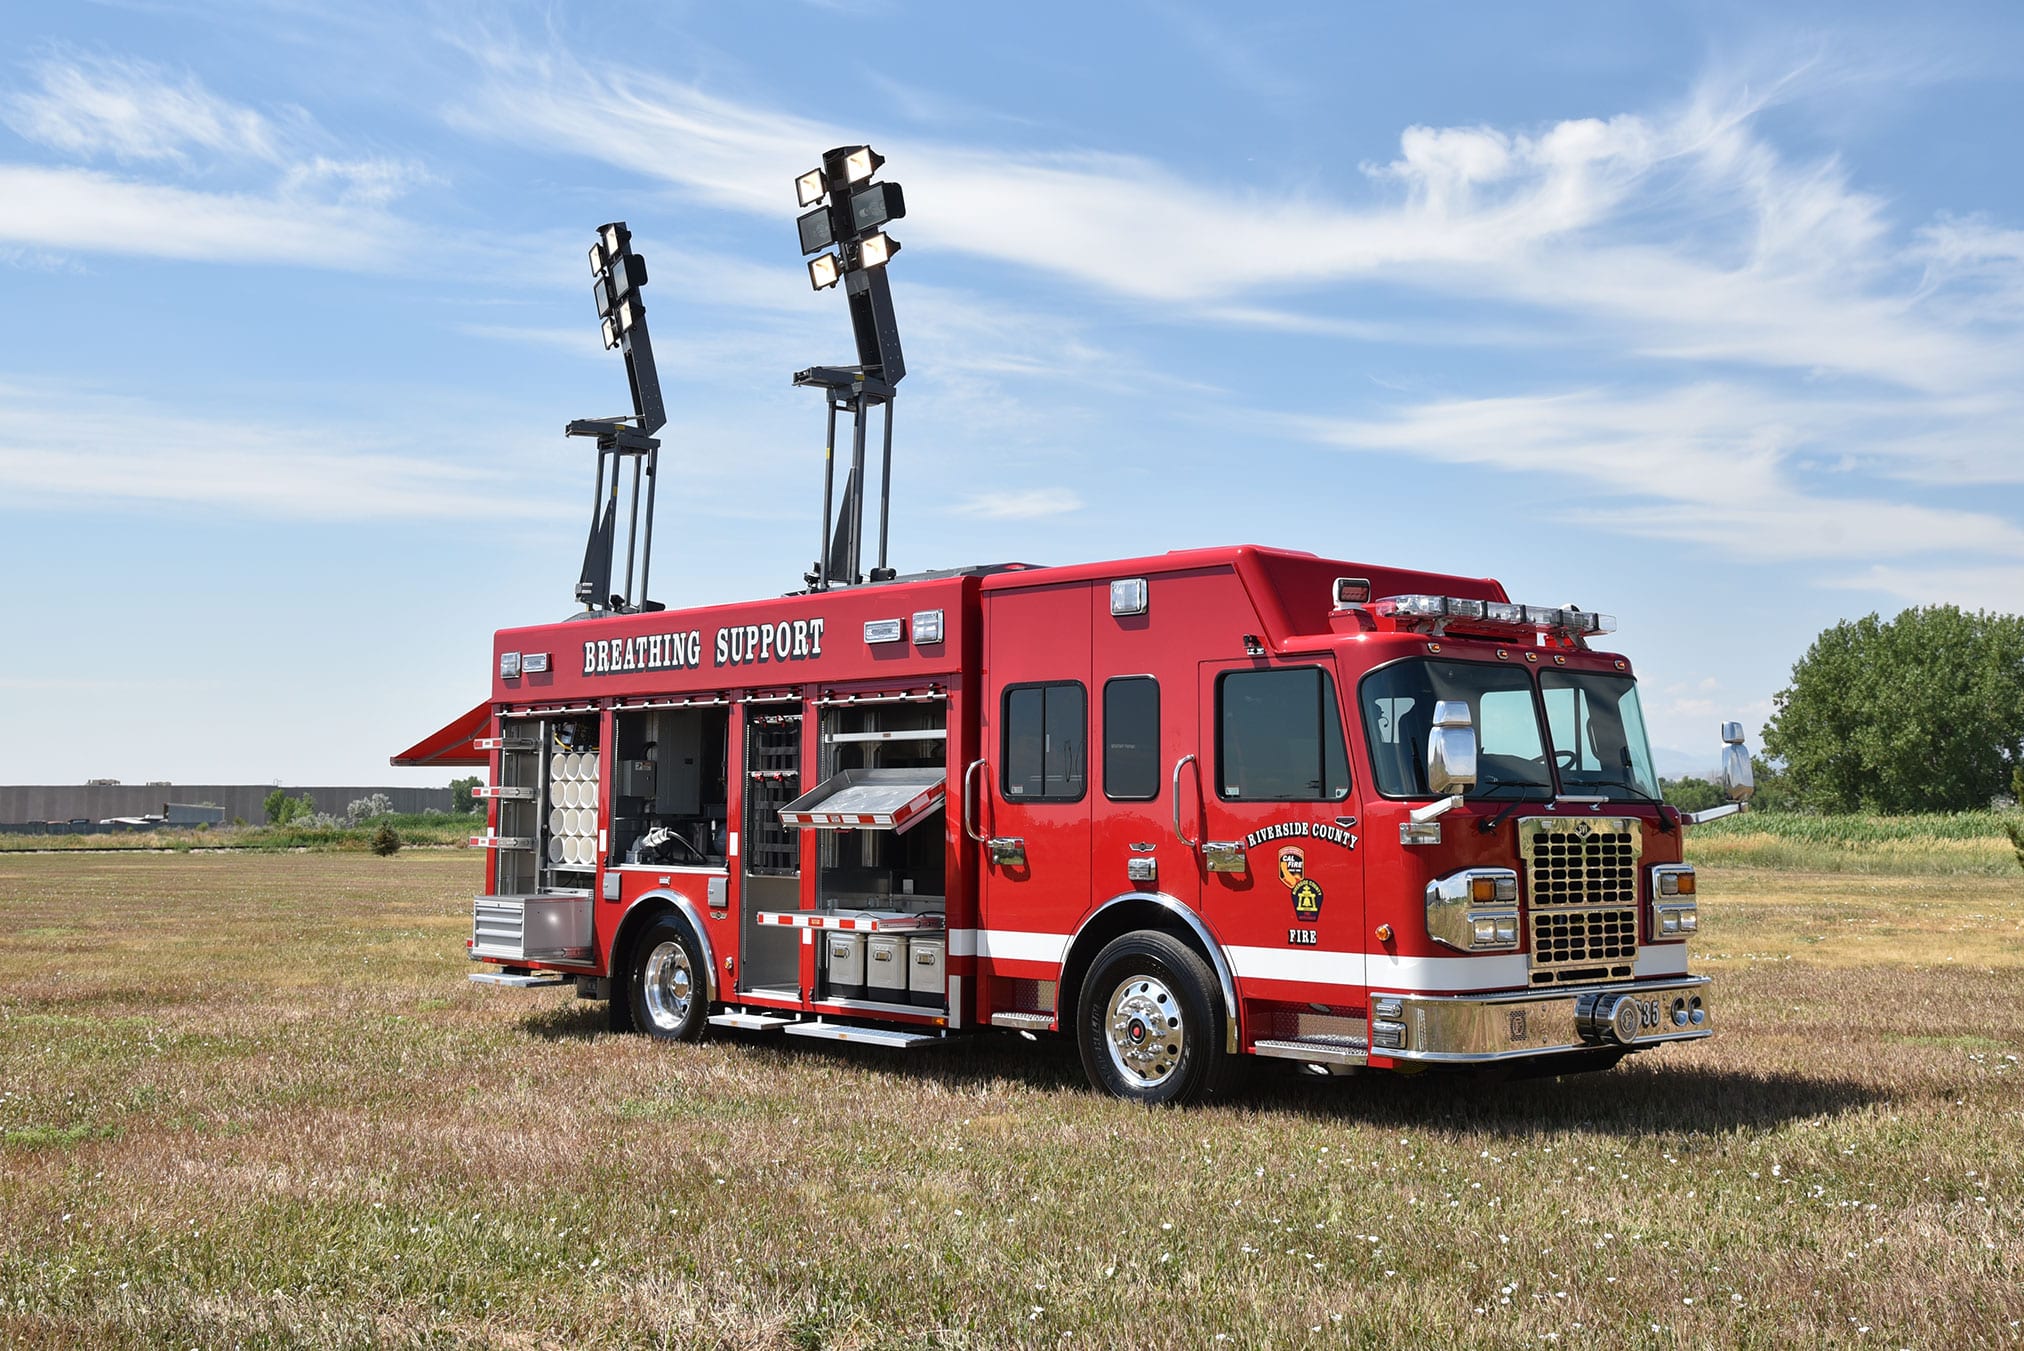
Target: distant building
x=105, y=799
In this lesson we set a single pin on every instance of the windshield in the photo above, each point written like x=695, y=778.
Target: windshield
x=1598, y=734
x=1398, y=713
x=1596, y=728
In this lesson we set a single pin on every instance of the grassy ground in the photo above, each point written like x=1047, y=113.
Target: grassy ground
x=416, y=828
x=250, y=1099
x=1958, y=842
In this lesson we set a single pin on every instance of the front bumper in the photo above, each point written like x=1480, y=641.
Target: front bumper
x=1477, y=1029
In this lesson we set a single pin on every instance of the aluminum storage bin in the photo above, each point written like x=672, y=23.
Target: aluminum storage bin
x=885, y=968
x=843, y=956
x=927, y=972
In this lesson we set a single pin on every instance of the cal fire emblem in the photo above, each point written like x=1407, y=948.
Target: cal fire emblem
x=1306, y=891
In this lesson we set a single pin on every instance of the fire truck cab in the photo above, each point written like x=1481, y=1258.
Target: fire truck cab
x=1214, y=803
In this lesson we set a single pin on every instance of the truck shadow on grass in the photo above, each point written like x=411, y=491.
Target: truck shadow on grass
x=1652, y=1095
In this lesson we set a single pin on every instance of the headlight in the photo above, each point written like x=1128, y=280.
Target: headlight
x=1474, y=910
x=1674, y=910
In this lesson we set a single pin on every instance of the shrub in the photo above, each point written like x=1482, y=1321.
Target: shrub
x=362, y=810
x=386, y=840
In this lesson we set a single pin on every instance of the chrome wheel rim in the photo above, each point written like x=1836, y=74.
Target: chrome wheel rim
x=1144, y=1031
x=670, y=985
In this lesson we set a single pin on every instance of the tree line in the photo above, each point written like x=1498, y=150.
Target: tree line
x=1921, y=713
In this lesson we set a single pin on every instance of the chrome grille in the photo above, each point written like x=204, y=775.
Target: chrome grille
x=1581, y=890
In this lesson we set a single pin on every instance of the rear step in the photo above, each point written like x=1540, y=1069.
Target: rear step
x=1318, y=1050
x=1025, y=1022
x=750, y=1022
x=531, y=982
x=875, y=1036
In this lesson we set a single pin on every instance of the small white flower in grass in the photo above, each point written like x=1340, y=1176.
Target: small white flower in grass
x=1166, y=1257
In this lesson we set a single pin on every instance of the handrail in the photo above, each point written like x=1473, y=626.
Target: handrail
x=1179, y=834
x=969, y=802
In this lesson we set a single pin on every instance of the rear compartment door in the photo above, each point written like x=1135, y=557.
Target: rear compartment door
x=1035, y=791
x=1281, y=879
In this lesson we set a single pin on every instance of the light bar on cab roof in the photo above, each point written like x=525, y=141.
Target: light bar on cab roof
x=1419, y=611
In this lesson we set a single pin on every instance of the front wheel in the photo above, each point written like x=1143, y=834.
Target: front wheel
x=1148, y=1024
x=667, y=988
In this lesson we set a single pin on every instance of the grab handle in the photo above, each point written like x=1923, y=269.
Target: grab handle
x=970, y=802
x=1180, y=834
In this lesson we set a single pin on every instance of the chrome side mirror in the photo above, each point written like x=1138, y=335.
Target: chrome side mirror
x=1451, y=748
x=1738, y=779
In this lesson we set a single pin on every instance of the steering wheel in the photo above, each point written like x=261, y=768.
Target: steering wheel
x=1565, y=760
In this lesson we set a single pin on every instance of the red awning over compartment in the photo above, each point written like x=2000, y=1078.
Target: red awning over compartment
x=451, y=744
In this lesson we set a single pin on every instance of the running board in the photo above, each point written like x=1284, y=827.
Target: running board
x=518, y=982
x=1025, y=1022
x=751, y=1022
x=873, y=1036
x=1318, y=1050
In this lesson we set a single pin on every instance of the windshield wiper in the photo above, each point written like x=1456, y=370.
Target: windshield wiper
x=1489, y=824
x=1665, y=822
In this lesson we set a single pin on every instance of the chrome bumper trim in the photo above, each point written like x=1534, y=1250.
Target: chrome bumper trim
x=1478, y=1029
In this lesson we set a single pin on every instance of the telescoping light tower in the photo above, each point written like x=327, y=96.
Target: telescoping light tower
x=846, y=233
x=618, y=274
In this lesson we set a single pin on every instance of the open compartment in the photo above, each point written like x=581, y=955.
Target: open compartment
x=879, y=874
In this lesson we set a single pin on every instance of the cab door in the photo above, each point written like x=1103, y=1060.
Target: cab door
x=1281, y=880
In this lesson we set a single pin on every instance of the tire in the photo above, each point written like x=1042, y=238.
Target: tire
x=667, y=989
x=1148, y=1022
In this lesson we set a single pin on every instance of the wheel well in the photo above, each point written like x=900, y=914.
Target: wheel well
x=642, y=914
x=1114, y=921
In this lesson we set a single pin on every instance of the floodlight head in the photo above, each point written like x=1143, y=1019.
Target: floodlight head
x=860, y=163
x=600, y=291
x=875, y=204
x=818, y=231
x=630, y=312
x=824, y=270
x=876, y=249
x=808, y=188
x=599, y=259
x=609, y=327
x=628, y=274
x=615, y=238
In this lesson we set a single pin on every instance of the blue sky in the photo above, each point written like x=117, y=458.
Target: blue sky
x=1708, y=317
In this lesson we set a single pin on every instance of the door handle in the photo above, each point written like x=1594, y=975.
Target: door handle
x=970, y=802
x=1009, y=852
x=1180, y=834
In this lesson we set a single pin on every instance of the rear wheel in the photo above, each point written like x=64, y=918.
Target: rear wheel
x=1148, y=1024
x=667, y=990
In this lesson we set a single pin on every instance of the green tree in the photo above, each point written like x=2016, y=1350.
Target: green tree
x=275, y=804
x=1924, y=712
x=461, y=800
x=1690, y=794
x=386, y=840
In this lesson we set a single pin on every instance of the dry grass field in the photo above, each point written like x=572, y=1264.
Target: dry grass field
x=250, y=1099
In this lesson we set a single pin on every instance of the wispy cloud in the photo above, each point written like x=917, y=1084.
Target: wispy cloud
x=83, y=210
x=104, y=451
x=198, y=176
x=1026, y=504
x=1722, y=465
x=133, y=111
x=1981, y=587
x=1683, y=229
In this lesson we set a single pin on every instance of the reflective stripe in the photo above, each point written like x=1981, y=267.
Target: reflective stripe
x=1011, y=945
x=1357, y=969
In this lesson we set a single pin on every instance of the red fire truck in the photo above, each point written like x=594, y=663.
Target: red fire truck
x=1221, y=802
